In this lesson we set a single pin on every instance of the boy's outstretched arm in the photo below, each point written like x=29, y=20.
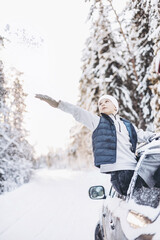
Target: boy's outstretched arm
x=81, y=115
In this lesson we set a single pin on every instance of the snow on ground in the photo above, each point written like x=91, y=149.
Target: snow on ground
x=54, y=205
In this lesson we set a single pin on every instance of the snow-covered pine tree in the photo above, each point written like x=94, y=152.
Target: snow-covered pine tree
x=153, y=8
x=18, y=107
x=142, y=49
x=104, y=66
x=15, y=152
x=121, y=70
x=18, y=99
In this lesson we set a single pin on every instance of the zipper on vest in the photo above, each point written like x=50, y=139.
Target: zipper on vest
x=119, y=127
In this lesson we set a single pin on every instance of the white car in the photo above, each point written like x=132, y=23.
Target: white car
x=135, y=217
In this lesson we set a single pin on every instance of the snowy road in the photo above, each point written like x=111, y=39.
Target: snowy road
x=53, y=206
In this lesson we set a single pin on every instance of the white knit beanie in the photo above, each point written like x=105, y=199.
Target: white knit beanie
x=112, y=99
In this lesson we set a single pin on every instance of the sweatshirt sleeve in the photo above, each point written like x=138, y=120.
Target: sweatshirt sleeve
x=143, y=136
x=81, y=115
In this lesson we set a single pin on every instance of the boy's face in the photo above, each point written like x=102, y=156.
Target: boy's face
x=107, y=107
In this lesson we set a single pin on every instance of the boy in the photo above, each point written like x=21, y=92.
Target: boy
x=114, y=139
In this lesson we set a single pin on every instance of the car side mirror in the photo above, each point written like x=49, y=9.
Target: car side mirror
x=97, y=192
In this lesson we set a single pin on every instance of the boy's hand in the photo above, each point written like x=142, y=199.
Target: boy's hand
x=47, y=99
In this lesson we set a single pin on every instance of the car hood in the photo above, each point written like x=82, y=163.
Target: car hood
x=120, y=209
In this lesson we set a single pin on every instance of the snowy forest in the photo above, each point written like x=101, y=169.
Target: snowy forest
x=121, y=57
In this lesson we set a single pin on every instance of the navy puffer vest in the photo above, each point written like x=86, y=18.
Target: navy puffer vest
x=104, y=140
